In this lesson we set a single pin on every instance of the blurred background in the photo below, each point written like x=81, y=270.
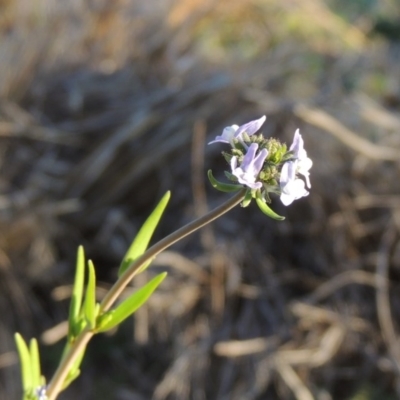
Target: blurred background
x=106, y=105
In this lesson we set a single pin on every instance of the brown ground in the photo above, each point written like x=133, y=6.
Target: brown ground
x=106, y=105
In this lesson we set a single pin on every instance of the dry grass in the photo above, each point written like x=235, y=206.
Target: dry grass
x=106, y=105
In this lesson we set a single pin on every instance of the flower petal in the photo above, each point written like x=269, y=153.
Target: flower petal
x=251, y=166
x=292, y=188
x=304, y=163
x=259, y=160
x=251, y=127
x=227, y=135
x=288, y=173
x=235, y=131
x=303, y=167
x=298, y=146
x=233, y=163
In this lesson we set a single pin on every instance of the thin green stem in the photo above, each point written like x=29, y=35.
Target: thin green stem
x=55, y=386
x=163, y=244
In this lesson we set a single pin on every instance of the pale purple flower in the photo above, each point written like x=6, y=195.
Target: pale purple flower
x=293, y=188
x=41, y=393
x=235, y=131
x=303, y=162
x=251, y=166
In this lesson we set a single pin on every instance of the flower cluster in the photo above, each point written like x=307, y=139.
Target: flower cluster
x=264, y=165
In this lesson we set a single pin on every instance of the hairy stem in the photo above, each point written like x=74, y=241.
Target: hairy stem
x=55, y=386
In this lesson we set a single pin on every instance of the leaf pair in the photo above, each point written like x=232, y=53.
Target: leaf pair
x=82, y=311
x=139, y=245
x=114, y=317
x=32, y=379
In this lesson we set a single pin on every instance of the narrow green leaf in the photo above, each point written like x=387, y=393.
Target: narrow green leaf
x=104, y=319
x=25, y=359
x=266, y=210
x=77, y=294
x=132, y=303
x=35, y=363
x=247, y=198
x=72, y=375
x=89, y=305
x=142, y=239
x=222, y=187
x=74, y=370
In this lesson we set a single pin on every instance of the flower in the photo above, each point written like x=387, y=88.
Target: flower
x=251, y=166
x=258, y=163
x=293, y=188
x=235, y=132
x=41, y=393
x=303, y=162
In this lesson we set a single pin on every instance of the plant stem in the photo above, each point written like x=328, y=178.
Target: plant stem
x=163, y=244
x=55, y=385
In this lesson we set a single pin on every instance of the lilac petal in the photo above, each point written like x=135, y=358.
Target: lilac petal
x=251, y=127
x=235, y=131
x=303, y=168
x=288, y=173
x=298, y=146
x=250, y=168
x=41, y=393
x=248, y=181
x=293, y=190
x=259, y=161
x=227, y=135
x=304, y=163
x=248, y=159
x=233, y=163
x=297, y=141
x=252, y=164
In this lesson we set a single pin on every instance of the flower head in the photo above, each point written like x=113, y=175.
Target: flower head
x=235, y=132
x=263, y=166
x=250, y=168
x=293, y=188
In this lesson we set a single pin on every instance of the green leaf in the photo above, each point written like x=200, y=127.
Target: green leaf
x=104, y=319
x=77, y=294
x=26, y=365
x=223, y=187
x=74, y=370
x=35, y=364
x=247, y=198
x=266, y=210
x=72, y=375
x=142, y=239
x=89, y=306
x=132, y=303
